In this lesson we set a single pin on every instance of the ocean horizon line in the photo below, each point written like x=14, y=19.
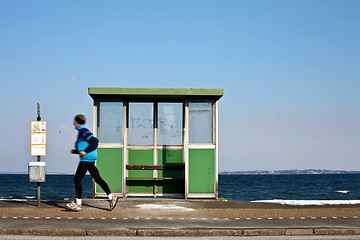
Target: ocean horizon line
x=50, y=173
x=287, y=172
x=244, y=172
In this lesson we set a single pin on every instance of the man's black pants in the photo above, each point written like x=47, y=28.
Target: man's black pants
x=94, y=172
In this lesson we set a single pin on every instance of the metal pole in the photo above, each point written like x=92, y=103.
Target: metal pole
x=38, y=158
x=38, y=187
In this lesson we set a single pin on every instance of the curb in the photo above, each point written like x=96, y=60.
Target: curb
x=181, y=232
x=354, y=231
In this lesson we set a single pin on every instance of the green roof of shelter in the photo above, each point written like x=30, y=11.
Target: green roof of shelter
x=156, y=92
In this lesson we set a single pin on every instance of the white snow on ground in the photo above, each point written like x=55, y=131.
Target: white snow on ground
x=310, y=202
x=164, y=207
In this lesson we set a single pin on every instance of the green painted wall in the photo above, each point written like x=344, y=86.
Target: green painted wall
x=201, y=171
x=171, y=157
x=140, y=157
x=154, y=92
x=110, y=165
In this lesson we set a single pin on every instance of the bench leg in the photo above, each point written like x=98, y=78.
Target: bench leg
x=155, y=188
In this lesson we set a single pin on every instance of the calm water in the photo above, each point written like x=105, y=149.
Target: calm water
x=236, y=187
x=290, y=187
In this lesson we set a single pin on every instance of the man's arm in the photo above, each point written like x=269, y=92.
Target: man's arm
x=93, y=143
x=74, y=151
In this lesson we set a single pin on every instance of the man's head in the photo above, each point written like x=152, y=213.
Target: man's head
x=79, y=120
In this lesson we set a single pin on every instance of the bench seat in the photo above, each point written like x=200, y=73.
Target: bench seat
x=155, y=167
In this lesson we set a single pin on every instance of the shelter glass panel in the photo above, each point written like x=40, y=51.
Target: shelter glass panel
x=200, y=122
x=170, y=123
x=111, y=122
x=141, y=123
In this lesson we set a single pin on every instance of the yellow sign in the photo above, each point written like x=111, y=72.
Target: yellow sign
x=38, y=127
x=38, y=138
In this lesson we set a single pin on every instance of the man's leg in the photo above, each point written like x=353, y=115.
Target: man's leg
x=94, y=172
x=79, y=175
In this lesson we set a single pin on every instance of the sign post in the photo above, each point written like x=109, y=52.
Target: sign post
x=38, y=149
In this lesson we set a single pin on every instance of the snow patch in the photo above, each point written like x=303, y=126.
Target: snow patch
x=310, y=202
x=164, y=207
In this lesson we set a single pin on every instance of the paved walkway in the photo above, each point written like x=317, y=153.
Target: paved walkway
x=177, y=217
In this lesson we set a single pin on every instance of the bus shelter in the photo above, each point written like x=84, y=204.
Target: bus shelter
x=157, y=141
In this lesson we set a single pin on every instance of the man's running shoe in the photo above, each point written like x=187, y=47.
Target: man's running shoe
x=113, y=202
x=73, y=206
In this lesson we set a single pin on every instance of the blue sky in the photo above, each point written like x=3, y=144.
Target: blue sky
x=289, y=69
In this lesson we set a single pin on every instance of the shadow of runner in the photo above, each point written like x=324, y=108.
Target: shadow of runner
x=27, y=203
x=65, y=209
x=96, y=207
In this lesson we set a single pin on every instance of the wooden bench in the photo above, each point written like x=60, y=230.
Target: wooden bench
x=154, y=178
x=155, y=167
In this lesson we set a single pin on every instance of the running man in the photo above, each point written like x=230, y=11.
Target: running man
x=86, y=147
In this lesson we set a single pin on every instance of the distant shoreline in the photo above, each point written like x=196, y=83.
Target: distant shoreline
x=288, y=172
x=21, y=173
x=250, y=172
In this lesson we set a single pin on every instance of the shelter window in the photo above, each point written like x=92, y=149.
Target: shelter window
x=170, y=124
x=200, y=122
x=111, y=122
x=141, y=123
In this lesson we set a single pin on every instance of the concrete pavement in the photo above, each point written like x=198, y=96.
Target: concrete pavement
x=177, y=217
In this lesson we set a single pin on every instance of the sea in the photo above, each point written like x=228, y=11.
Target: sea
x=284, y=189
